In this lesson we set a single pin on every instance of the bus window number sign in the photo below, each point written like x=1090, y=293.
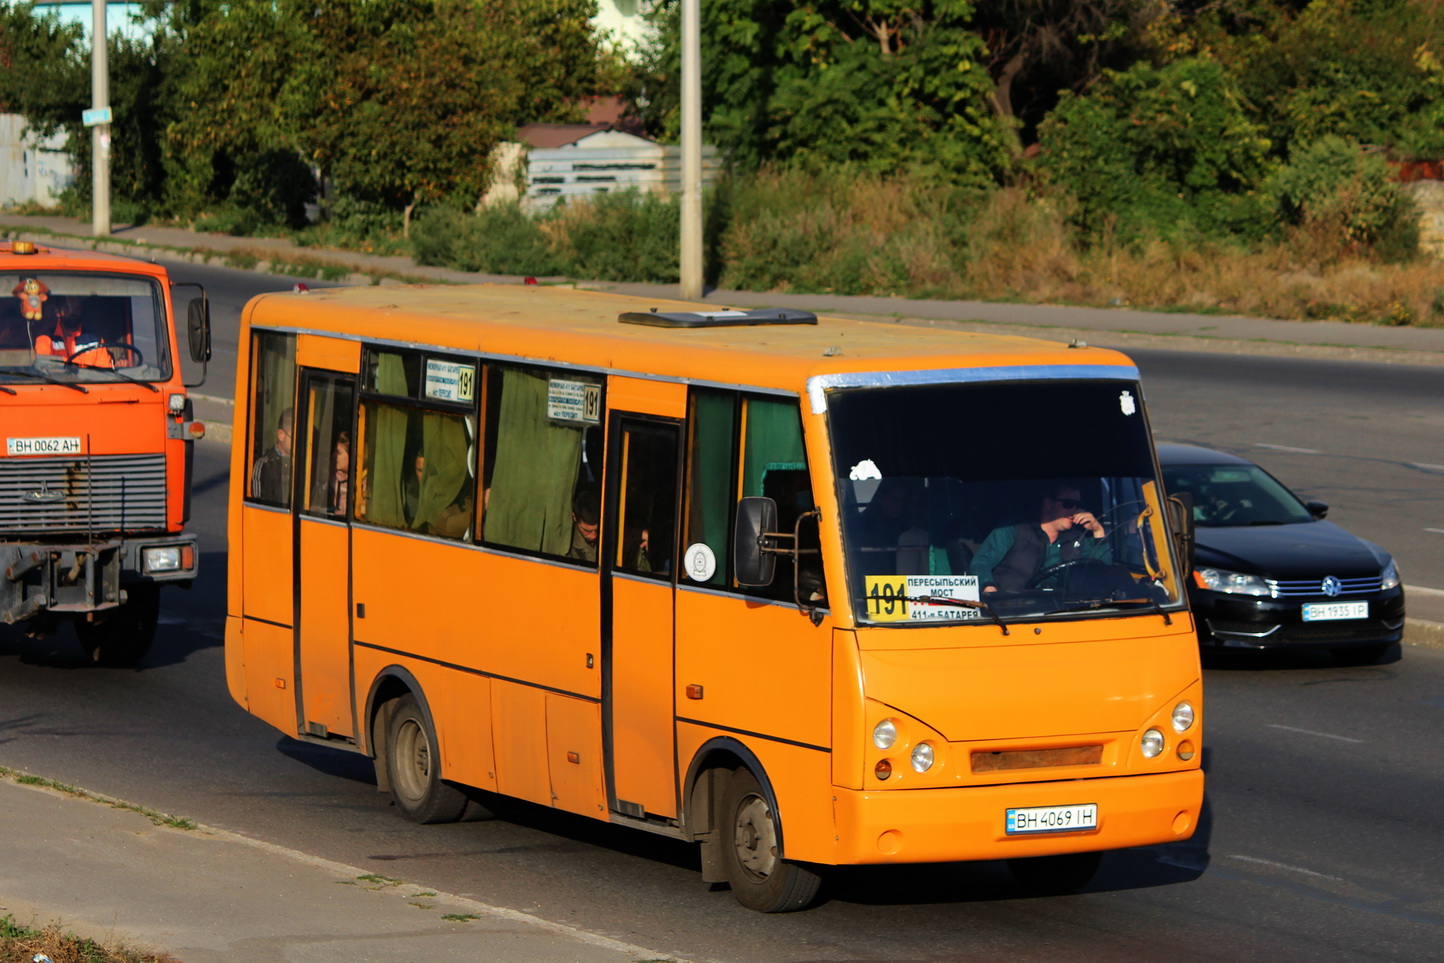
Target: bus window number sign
x=577, y=402
x=887, y=598
x=449, y=381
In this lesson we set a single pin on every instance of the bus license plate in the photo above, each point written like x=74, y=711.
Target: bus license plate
x=1329, y=611
x=1052, y=819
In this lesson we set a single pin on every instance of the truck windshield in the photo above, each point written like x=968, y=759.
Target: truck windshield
x=82, y=328
x=1036, y=499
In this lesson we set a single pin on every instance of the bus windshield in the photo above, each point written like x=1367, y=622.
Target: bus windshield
x=999, y=501
x=81, y=328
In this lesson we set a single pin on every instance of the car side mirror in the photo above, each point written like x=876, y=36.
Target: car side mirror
x=752, y=563
x=1317, y=509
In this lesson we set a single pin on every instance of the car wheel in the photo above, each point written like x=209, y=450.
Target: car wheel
x=760, y=879
x=413, y=766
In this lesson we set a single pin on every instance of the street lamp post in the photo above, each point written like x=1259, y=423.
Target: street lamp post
x=691, y=253
x=99, y=133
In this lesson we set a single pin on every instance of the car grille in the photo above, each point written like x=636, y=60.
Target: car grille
x=1302, y=633
x=1315, y=587
x=104, y=493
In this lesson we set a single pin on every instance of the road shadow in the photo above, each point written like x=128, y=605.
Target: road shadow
x=1279, y=660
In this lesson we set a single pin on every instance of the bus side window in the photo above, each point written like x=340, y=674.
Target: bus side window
x=711, y=472
x=273, y=387
x=537, y=470
x=774, y=464
x=649, y=502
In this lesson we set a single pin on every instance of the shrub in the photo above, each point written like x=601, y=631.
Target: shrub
x=1342, y=200
x=496, y=240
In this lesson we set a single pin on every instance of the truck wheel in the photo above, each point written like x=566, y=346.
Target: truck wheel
x=760, y=879
x=1055, y=875
x=125, y=635
x=413, y=766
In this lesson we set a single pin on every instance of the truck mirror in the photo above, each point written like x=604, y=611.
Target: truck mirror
x=1180, y=515
x=198, y=327
x=752, y=560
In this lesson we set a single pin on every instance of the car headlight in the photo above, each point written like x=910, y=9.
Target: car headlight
x=1233, y=583
x=1389, y=578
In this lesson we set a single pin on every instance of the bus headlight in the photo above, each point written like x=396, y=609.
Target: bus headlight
x=884, y=734
x=1151, y=743
x=1182, y=717
x=923, y=757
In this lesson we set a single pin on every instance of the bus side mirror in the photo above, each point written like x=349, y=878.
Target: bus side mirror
x=1180, y=515
x=752, y=563
x=198, y=327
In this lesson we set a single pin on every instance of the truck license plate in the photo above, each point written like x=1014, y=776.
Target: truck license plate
x=42, y=446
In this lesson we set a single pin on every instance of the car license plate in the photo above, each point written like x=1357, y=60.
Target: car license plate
x=1052, y=819
x=1329, y=611
x=42, y=446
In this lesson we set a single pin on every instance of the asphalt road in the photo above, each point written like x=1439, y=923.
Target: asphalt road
x=1323, y=837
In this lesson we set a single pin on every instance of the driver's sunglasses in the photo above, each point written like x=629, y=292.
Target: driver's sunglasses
x=1068, y=503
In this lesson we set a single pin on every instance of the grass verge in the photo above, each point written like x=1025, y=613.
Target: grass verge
x=22, y=944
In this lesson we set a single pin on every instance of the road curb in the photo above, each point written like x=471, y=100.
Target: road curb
x=1424, y=633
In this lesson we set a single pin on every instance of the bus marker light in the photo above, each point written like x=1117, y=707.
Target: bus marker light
x=694, y=691
x=883, y=769
x=1185, y=750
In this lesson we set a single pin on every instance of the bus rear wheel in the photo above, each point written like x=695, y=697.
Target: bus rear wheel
x=125, y=635
x=760, y=879
x=1055, y=875
x=413, y=766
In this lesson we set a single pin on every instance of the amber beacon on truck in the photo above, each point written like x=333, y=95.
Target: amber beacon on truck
x=98, y=444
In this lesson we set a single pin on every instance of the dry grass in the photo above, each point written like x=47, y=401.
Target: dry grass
x=20, y=944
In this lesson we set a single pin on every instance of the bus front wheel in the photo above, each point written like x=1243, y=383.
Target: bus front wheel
x=760, y=879
x=413, y=766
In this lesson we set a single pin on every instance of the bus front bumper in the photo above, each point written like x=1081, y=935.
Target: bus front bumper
x=954, y=825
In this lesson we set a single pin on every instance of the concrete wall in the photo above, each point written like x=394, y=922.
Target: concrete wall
x=1429, y=195
x=31, y=171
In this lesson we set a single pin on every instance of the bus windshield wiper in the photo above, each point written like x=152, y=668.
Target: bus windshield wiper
x=45, y=377
x=957, y=603
x=1083, y=604
x=119, y=374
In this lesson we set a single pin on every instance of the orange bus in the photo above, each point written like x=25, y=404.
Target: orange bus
x=95, y=474
x=809, y=592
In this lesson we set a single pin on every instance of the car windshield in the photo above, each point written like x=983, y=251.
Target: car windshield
x=81, y=328
x=1236, y=494
x=999, y=501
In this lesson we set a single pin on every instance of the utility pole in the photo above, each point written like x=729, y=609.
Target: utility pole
x=691, y=253
x=100, y=132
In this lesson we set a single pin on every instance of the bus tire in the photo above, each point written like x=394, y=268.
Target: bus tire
x=413, y=767
x=125, y=635
x=760, y=879
x=1055, y=875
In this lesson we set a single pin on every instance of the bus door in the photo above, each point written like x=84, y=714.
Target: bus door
x=639, y=582
x=323, y=479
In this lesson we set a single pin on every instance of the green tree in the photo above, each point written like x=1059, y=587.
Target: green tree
x=1160, y=151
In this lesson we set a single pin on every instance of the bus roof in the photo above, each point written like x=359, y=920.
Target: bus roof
x=550, y=325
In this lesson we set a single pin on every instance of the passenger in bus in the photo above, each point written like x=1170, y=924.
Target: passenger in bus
x=1012, y=555
x=888, y=532
x=69, y=341
x=586, y=525
x=271, y=474
x=332, y=493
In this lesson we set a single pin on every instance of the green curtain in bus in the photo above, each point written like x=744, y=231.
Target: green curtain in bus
x=773, y=443
x=385, y=494
x=711, y=465
x=536, y=471
x=445, y=445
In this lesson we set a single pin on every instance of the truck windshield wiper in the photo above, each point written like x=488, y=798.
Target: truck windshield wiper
x=45, y=377
x=957, y=603
x=118, y=374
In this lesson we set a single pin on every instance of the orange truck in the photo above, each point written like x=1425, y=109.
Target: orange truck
x=98, y=445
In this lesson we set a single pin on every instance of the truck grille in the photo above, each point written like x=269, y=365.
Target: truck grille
x=106, y=493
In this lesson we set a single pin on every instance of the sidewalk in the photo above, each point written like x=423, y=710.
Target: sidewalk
x=209, y=896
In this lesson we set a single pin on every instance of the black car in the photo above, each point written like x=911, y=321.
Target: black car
x=1271, y=573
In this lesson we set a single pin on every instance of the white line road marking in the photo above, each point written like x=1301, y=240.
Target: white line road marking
x=1297, y=451
x=1416, y=464
x=1311, y=732
x=1285, y=866
x=1436, y=531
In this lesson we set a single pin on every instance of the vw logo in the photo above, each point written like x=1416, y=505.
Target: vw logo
x=1332, y=586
